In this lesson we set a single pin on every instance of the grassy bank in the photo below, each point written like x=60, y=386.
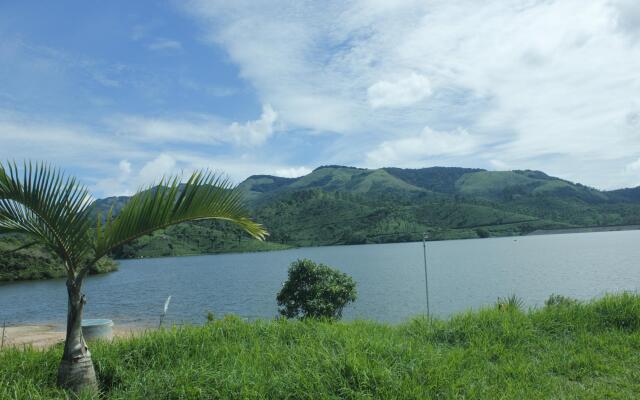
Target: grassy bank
x=566, y=350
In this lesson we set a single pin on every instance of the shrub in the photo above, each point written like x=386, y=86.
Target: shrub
x=483, y=233
x=557, y=300
x=511, y=303
x=620, y=311
x=210, y=317
x=315, y=290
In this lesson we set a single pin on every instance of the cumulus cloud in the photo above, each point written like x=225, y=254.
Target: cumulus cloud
x=399, y=93
x=162, y=166
x=428, y=143
x=541, y=84
x=292, y=172
x=128, y=181
x=125, y=167
x=254, y=132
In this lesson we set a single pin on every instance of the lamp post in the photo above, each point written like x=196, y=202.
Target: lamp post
x=426, y=279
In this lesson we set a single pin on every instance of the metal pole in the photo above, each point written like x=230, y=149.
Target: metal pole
x=426, y=278
x=4, y=326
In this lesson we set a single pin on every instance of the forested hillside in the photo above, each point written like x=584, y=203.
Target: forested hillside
x=346, y=205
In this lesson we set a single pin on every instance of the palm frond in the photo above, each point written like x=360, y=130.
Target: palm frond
x=204, y=196
x=48, y=206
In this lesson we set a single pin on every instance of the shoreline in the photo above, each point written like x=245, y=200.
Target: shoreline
x=538, y=232
x=586, y=229
x=43, y=336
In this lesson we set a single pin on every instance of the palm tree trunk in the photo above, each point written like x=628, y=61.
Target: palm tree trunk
x=76, y=370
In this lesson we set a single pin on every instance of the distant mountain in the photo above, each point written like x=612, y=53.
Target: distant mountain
x=339, y=205
x=346, y=205
x=261, y=188
x=468, y=183
x=625, y=195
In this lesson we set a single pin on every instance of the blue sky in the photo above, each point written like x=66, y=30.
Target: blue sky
x=122, y=92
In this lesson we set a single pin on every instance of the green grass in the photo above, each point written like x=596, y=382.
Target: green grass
x=566, y=350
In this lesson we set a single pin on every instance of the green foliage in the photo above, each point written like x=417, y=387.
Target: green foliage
x=567, y=352
x=557, y=300
x=48, y=208
x=210, y=317
x=511, y=303
x=203, y=196
x=619, y=311
x=437, y=179
x=41, y=204
x=341, y=205
x=483, y=233
x=194, y=238
x=315, y=291
x=37, y=262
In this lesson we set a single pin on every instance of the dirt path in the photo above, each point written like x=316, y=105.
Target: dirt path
x=43, y=336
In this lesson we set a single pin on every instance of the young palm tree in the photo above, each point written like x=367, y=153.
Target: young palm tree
x=54, y=210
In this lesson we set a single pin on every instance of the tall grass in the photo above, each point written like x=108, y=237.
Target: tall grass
x=564, y=350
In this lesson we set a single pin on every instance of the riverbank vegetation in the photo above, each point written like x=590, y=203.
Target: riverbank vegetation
x=37, y=262
x=335, y=205
x=566, y=349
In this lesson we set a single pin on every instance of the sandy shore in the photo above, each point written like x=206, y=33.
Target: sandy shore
x=43, y=336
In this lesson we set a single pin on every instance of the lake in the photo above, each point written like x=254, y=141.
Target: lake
x=463, y=274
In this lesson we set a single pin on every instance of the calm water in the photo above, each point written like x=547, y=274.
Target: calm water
x=390, y=277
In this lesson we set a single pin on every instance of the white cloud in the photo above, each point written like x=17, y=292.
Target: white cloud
x=58, y=142
x=199, y=128
x=127, y=182
x=125, y=167
x=541, y=84
x=132, y=177
x=430, y=143
x=292, y=172
x=160, y=167
x=627, y=17
x=634, y=166
x=499, y=165
x=255, y=132
x=402, y=92
x=165, y=44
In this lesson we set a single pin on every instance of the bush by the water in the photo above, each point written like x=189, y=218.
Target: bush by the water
x=577, y=351
x=511, y=303
x=315, y=291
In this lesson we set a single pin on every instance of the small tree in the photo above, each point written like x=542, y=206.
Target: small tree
x=483, y=233
x=55, y=211
x=315, y=290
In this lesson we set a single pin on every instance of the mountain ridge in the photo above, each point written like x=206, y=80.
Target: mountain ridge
x=335, y=205
x=348, y=205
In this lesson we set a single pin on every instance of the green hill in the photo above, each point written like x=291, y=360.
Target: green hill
x=36, y=262
x=347, y=205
